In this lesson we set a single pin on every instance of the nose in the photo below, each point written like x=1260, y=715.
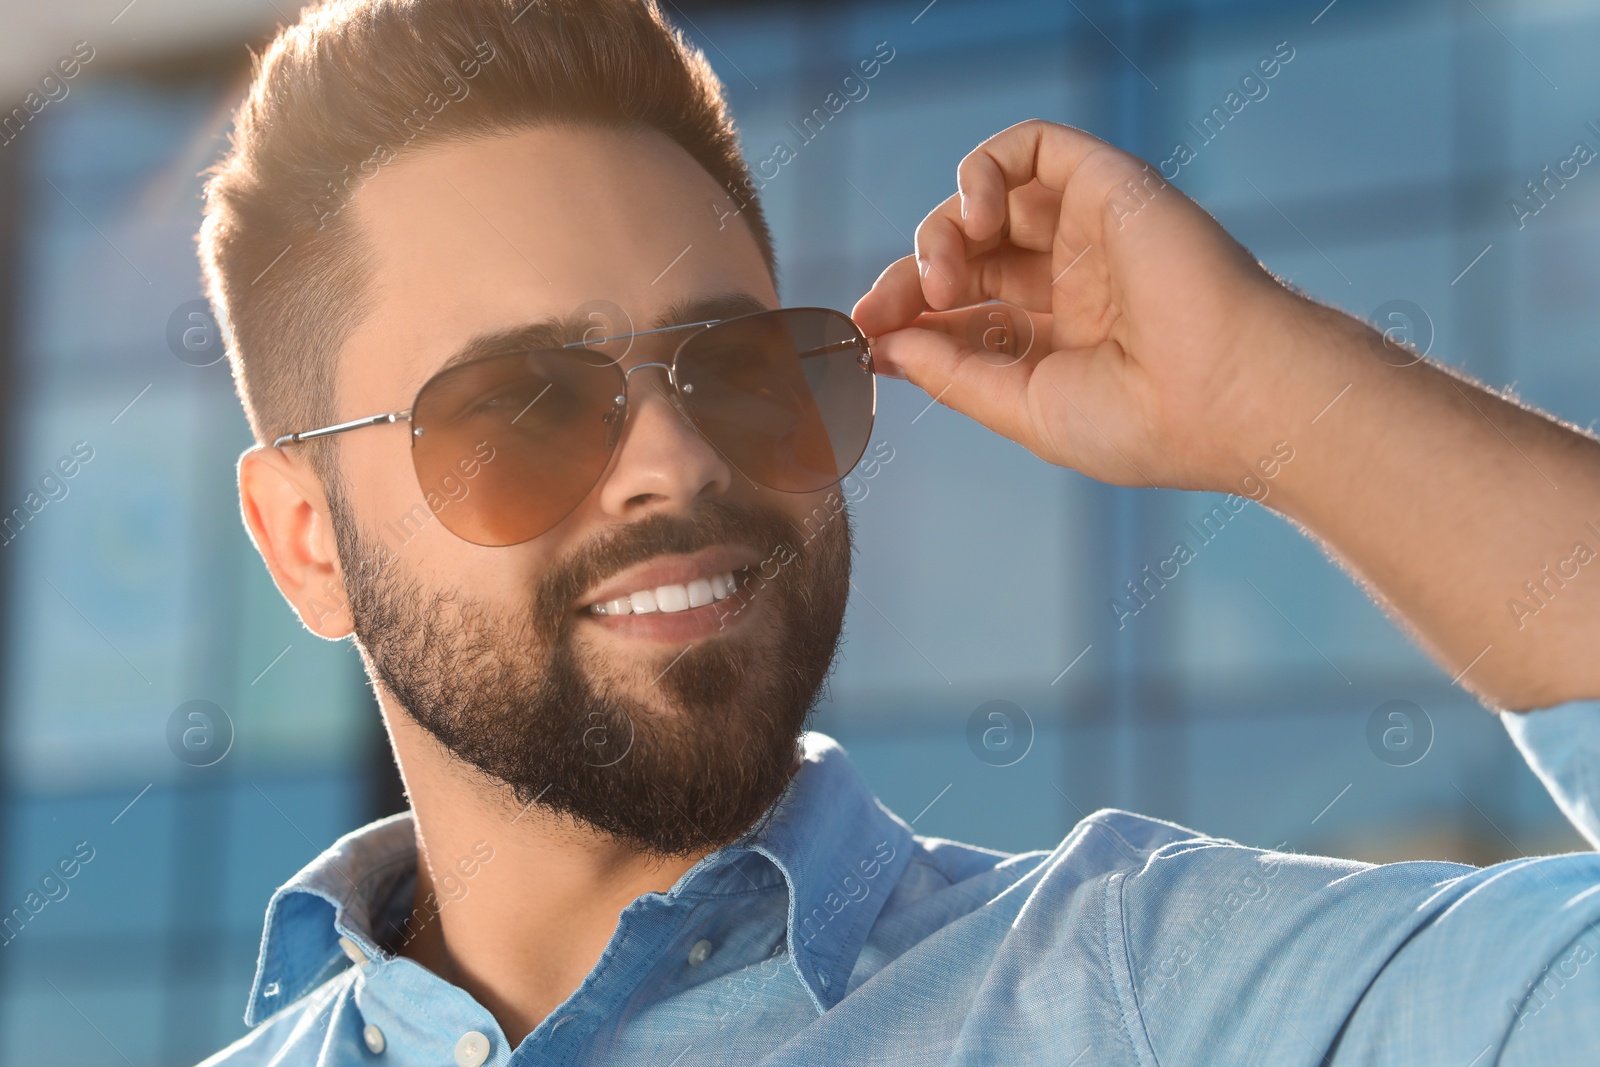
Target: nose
x=661, y=461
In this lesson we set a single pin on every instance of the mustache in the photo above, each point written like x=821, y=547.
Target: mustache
x=714, y=522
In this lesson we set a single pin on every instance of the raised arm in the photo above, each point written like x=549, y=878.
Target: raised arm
x=1164, y=355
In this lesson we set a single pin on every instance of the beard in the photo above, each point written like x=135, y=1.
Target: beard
x=510, y=691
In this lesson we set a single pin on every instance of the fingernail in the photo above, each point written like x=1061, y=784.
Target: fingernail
x=963, y=205
x=922, y=266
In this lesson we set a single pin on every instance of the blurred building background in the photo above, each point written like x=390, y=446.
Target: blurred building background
x=1249, y=697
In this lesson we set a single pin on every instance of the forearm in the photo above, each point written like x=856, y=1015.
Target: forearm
x=1474, y=520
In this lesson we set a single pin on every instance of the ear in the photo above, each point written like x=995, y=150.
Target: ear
x=286, y=513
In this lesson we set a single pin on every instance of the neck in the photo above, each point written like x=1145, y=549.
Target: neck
x=513, y=904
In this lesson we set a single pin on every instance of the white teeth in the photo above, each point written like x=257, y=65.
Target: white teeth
x=670, y=598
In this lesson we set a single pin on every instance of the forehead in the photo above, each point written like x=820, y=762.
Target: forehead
x=621, y=228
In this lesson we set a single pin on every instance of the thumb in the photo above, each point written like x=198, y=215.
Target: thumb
x=975, y=360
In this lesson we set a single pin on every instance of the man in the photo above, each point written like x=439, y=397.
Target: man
x=497, y=294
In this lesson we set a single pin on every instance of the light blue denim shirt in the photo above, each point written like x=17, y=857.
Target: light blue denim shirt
x=837, y=936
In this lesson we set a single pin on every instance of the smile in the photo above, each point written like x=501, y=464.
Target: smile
x=670, y=598
x=673, y=584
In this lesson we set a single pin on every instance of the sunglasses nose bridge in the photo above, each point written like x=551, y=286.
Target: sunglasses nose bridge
x=619, y=411
x=627, y=375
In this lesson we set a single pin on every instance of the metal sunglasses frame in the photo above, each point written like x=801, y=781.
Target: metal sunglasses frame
x=865, y=343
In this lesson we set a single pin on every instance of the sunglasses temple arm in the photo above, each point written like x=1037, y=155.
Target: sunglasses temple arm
x=342, y=427
x=836, y=346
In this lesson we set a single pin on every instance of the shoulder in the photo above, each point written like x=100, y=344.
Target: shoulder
x=1230, y=948
x=944, y=881
x=1105, y=841
x=297, y=1033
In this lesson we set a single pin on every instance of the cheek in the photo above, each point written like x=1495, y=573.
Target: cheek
x=831, y=501
x=809, y=514
x=396, y=523
x=379, y=478
x=503, y=581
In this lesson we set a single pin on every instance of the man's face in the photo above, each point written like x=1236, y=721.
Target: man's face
x=670, y=731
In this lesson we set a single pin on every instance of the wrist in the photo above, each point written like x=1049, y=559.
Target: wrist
x=1297, y=362
x=1352, y=403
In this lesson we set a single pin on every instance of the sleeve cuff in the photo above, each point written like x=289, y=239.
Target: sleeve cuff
x=1562, y=745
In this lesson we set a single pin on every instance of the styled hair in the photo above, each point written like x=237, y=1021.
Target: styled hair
x=356, y=84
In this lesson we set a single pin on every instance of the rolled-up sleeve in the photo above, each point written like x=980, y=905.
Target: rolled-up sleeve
x=1562, y=745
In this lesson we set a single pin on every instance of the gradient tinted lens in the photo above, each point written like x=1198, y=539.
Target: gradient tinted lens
x=505, y=448
x=787, y=396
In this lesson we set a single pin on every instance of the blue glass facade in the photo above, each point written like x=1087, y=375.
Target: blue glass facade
x=1383, y=161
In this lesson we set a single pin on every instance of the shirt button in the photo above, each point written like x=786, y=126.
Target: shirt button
x=472, y=1049
x=373, y=1037
x=698, y=954
x=353, y=950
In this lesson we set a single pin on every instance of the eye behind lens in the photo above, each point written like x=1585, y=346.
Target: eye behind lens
x=782, y=394
x=546, y=420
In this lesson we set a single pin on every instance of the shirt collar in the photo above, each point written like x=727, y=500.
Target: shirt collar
x=340, y=893
x=840, y=853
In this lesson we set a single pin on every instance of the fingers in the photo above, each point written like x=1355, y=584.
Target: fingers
x=950, y=271
x=942, y=257
x=1010, y=192
x=1035, y=150
x=1010, y=265
x=1015, y=276
x=1032, y=214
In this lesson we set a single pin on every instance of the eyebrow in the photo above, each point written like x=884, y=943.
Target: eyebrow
x=556, y=332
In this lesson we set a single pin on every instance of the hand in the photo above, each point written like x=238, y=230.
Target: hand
x=1164, y=355
x=1148, y=363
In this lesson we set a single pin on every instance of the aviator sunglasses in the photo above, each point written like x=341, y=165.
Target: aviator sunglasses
x=506, y=446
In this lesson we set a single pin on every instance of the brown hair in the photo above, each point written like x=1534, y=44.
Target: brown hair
x=357, y=83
